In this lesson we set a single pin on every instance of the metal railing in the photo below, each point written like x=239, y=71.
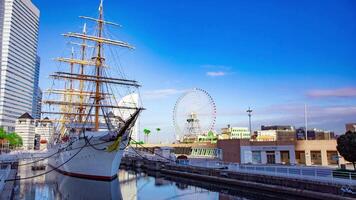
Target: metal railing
x=319, y=174
x=299, y=172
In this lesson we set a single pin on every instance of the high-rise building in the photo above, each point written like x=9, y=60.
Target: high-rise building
x=37, y=104
x=19, y=23
x=37, y=93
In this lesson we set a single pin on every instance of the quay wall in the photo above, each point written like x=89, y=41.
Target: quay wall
x=284, y=185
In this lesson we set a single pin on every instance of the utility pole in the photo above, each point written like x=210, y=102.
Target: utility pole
x=306, y=121
x=249, y=111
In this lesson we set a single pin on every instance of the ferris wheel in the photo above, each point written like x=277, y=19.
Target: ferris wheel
x=194, y=113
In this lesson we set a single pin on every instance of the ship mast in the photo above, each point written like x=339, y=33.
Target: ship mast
x=98, y=65
x=77, y=101
x=81, y=83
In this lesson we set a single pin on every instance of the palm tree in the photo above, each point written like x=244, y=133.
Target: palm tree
x=147, y=133
x=158, y=130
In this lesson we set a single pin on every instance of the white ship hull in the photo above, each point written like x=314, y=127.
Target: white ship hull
x=92, y=160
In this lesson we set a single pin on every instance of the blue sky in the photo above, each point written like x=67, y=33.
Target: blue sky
x=274, y=56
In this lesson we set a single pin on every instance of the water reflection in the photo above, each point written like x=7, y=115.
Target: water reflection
x=55, y=186
x=130, y=185
x=141, y=186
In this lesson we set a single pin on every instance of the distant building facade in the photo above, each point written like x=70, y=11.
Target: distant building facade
x=257, y=152
x=314, y=134
x=235, y=133
x=277, y=127
x=317, y=152
x=302, y=152
x=19, y=23
x=35, y=133
x=240, y=133
x=45, y=130
x=276, y=133
x=351, y=127
x=25, y=127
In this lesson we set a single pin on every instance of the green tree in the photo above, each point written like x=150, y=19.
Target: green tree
x=147, y=133
x=14, y=139
x=158, y=130
x=2, y=133
x=346, y=146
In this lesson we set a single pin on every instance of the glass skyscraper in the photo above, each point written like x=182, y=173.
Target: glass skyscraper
x=19, y=23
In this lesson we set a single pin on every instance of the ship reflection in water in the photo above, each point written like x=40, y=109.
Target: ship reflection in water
x=129, y=186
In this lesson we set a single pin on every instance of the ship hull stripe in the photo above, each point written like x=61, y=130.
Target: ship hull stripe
x=85, y=176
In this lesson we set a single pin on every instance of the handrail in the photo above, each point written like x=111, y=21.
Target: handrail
x=302, y=172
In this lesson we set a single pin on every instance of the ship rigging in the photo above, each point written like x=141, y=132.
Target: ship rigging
x=88, y=98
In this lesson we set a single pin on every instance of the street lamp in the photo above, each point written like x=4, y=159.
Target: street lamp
x=306, y=121
x=249, y=111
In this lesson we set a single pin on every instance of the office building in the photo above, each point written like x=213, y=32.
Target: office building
x=37, y=106
x=37, y=93
x=19, y=23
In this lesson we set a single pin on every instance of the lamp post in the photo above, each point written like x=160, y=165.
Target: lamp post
x=249, y=111
x=306, y=121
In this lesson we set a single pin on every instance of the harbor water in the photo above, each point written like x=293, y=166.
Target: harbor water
x=130, y=185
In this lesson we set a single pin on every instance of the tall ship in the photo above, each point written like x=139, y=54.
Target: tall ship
x=92, y=103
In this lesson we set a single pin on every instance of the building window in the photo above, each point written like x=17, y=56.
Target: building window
x=256, y=157
x=300, y=157
x=315, y=157
x=285, y=157
x=332, y=157
x=271, y=157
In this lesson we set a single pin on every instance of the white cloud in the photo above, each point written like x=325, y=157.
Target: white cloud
x=341, y=92
x=162, y=93
x=216, y=67
x=215, y=74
